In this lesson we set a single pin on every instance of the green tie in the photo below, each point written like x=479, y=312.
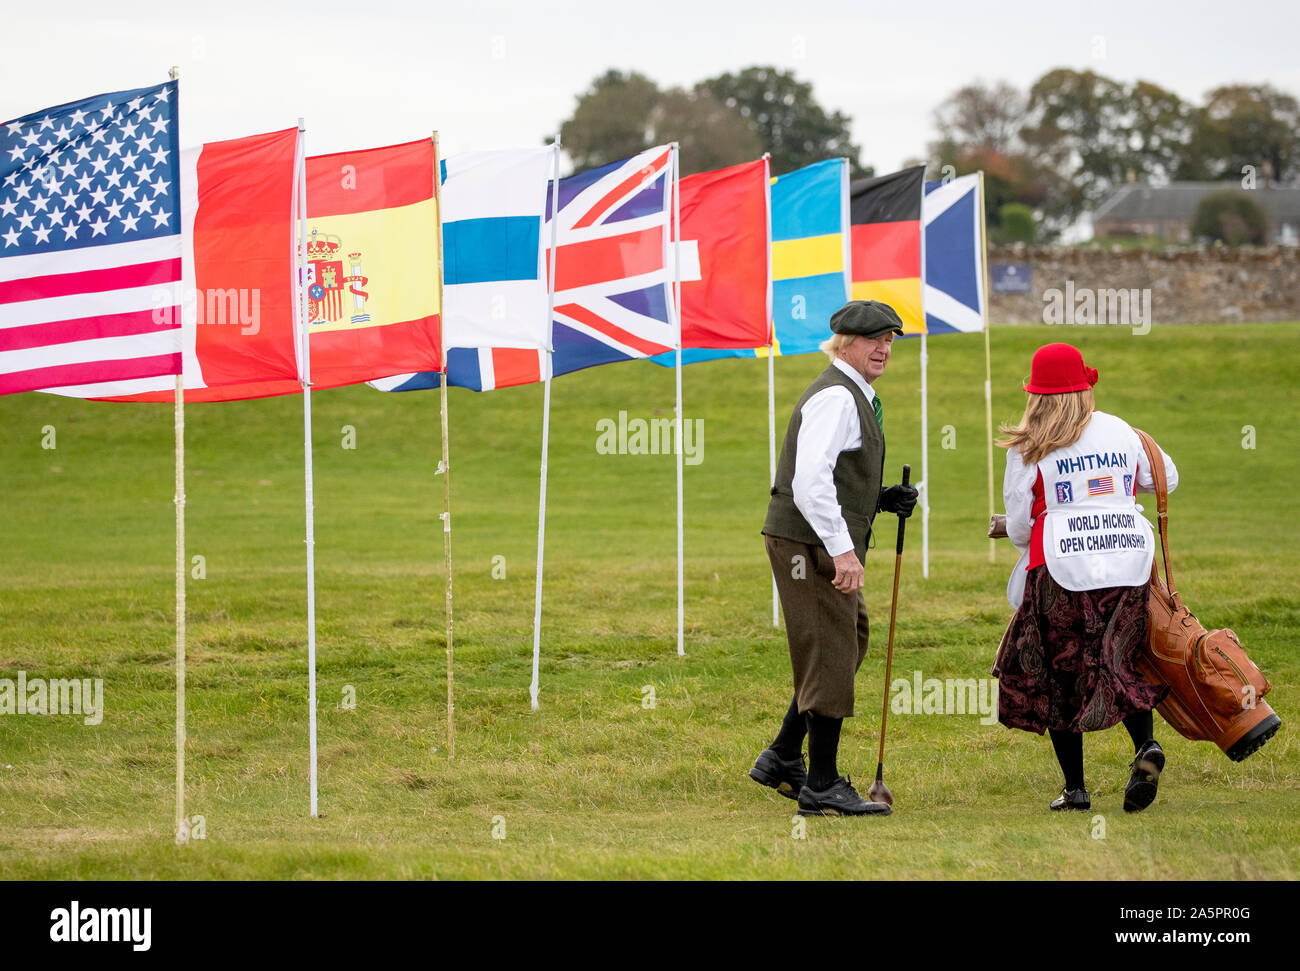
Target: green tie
x=878, y=407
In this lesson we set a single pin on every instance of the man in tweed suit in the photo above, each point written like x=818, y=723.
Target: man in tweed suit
x=827, y=491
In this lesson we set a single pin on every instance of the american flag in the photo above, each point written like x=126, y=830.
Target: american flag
x=1101, y=487
x=90, y=241
x=612, y=269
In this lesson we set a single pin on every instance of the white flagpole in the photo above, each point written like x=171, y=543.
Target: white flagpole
x=305, y=370
x=444, y=465
x=925, y=464
x=677, y=302
x=771, y=369
x=771, y=456
x=534, y=687
x=988, y=360
x=925, y=402
x=181, y=832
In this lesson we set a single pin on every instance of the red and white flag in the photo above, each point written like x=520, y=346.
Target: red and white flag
x=90, y=242
x=724, y=252
x=234, y=305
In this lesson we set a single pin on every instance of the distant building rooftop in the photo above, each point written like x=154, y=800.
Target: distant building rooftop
x=1177, y=201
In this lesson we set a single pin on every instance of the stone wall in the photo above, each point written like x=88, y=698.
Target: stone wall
x=1187, y=285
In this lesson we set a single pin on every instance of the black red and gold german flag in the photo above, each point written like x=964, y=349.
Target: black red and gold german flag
x=885, y=212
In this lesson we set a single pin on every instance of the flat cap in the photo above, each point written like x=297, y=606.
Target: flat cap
x=866, y=318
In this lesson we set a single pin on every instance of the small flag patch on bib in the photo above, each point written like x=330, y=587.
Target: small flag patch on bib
x=1102, y=486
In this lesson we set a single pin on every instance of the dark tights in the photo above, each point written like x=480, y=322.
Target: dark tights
x=1069, y=746
x=1069, y=752
x=788, y=743
x=823, y=744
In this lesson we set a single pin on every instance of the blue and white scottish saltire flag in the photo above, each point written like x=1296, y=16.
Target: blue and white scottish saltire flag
x=954, y=256
x=494, y=269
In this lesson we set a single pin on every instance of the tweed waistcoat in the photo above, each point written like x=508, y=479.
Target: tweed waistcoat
x=857, y=473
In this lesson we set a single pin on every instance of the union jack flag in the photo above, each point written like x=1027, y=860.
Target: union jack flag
x=613, y=274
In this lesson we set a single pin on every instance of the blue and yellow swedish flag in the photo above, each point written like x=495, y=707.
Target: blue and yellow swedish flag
x=810, y=253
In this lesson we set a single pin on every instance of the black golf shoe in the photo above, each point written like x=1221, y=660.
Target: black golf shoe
x=840, y=799
x=1145, y=778
x=1071, y=799
x=786, y=776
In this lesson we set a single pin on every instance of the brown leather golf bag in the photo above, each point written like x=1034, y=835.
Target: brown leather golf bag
x=1216, y=692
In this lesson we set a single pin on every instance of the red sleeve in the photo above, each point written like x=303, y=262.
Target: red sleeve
x=1036, y=514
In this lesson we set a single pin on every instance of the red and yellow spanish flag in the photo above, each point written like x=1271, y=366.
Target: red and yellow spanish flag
x=372, y=264
x=886, y=242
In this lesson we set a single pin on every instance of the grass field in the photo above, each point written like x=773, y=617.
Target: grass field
x=595, y=784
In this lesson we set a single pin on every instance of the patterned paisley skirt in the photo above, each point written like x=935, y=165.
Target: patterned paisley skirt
x=1067, y=661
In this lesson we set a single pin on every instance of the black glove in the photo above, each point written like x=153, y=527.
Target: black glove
x=900, y=499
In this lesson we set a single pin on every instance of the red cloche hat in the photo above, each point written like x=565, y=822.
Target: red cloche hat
x=1059, y=369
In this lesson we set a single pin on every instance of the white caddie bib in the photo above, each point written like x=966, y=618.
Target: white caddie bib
x=1093, y=534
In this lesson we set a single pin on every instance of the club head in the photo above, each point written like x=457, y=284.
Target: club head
x=879, y=792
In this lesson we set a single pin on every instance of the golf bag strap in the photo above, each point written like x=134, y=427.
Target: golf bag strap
x=1157, y=462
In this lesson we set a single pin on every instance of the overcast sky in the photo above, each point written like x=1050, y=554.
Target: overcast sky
x=492, y=74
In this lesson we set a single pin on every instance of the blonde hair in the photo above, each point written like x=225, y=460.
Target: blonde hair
x=837, y=341
x=1050, y=421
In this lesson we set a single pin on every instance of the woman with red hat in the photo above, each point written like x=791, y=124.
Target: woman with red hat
x=1067, y=662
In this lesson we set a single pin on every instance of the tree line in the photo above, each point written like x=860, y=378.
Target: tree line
x=720, y=121
x=1057, y=149
x=1064, y=145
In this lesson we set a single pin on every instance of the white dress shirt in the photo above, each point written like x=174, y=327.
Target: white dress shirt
x=829, y=426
